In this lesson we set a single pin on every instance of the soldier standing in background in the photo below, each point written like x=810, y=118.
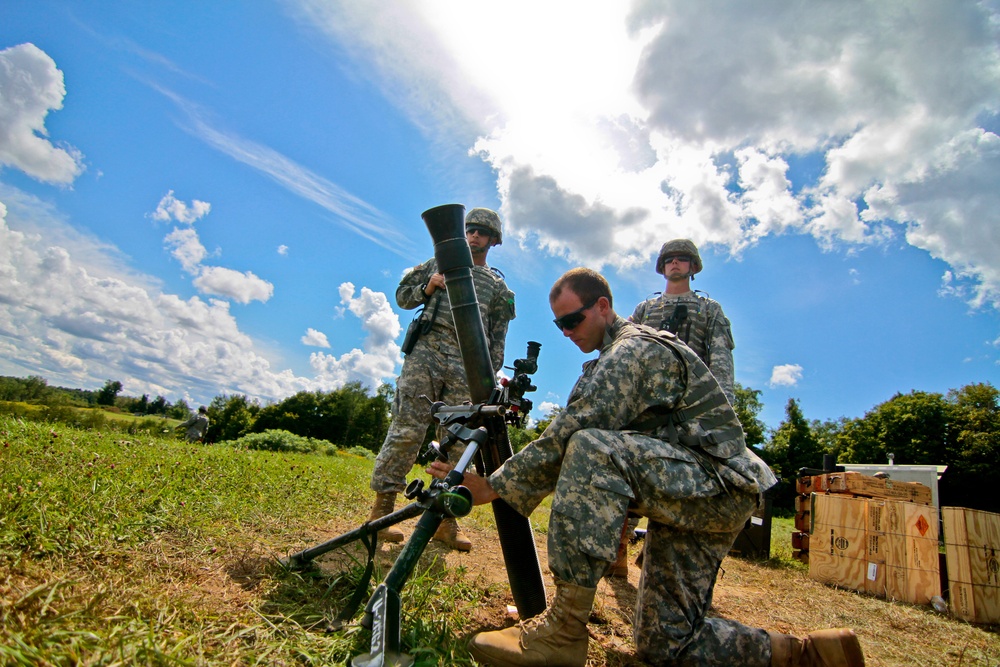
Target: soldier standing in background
x=646, y=428
x=692, y=317
x=696, y=320
x=434, y=368
x=196, y=425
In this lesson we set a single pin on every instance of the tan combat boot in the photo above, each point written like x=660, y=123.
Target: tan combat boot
x=555, y=638
x=385, y=503
x=451, y=535
x=838, y=647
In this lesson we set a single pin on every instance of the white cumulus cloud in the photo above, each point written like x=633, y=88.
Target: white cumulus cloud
x=30, y=86
x=315, y=338
x=171, y=208
x=240, y=286
x=185, y=246
x=688, y=118
x=785, y=375
x=380, y=354
x=73, y=313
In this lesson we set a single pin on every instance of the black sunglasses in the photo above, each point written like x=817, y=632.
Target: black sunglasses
x=483, y=231
x=570, y=321
x=680, y=258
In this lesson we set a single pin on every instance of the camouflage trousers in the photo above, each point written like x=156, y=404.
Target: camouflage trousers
x=693, y=522
x=429, y=372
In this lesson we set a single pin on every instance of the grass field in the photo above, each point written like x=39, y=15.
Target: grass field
x=139, y=550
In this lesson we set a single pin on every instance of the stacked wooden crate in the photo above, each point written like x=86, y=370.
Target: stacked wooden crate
x=871, y=534
x=888, y=548
x=852, y=484
x=972, y=548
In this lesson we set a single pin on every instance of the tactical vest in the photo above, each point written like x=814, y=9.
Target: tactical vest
x=704, y=420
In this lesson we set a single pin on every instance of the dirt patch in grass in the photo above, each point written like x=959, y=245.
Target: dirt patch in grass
x=771, y=595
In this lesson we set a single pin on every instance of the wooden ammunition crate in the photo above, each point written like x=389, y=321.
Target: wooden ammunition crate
x=972, y=550
x=884, y=547
x=857, y=484
x=800, y=541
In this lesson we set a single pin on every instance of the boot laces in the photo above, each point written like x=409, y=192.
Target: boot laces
x=536, y=623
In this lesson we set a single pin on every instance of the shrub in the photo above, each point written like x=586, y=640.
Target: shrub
x=278, y=440
x=363, y=452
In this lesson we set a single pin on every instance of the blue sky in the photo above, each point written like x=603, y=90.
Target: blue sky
x=207, y=198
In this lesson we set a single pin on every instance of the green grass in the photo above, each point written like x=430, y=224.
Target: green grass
x=142, y=550
x=119, y=549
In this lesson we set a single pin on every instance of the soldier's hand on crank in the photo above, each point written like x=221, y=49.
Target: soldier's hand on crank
x=478, y=486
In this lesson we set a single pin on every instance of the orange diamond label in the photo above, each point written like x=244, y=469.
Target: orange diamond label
x=922, y=525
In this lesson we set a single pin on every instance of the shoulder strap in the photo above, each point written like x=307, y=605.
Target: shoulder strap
x=429, y=321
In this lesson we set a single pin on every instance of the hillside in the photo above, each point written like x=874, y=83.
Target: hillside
x=142, y=550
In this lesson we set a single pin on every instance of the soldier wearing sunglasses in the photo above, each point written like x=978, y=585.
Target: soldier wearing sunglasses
x=645, y=429
x=433, y=368
x=696, y=320
x=691, y=315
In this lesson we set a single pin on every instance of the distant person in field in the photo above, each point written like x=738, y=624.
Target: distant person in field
x=646, y=429
x=433, y=369
x=196, y=426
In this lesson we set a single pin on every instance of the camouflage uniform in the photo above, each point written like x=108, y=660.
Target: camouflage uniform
x=706, y=330
x=197, y=426
x=434, y=368
x=647, y=429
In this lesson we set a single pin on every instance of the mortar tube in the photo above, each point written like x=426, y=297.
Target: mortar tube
x=446, y=225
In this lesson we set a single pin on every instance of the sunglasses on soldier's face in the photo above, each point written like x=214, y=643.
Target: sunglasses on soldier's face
x=483, y=231
x=679, y=258
x=570, y=321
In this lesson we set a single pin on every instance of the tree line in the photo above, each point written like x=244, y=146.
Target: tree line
x=346, y=417
x=36, y=389
x=960, y=429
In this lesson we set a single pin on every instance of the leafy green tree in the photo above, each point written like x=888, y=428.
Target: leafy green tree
x=747, y=407
x=109, y=392
x=544, y=422
x=369, y=420
x=230, y=417
x=519, y=437
x=973, y=475
x=975, y=427
x=347, y=417
x=302, y=414
x=827, y=433
x=32, y=389
x=179, y=410
x=913, y=427
x=158, y=406
x=793, y=446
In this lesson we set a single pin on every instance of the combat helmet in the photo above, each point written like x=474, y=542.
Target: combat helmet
x=484, y=217
x=679, y=247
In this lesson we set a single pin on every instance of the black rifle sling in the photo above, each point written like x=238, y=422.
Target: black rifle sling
x=426, y=324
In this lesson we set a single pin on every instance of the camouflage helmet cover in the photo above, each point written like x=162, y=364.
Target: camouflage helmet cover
x=679, y=247
x=484, y=217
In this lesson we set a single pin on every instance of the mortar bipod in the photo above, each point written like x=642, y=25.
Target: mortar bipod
x=443, y=498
